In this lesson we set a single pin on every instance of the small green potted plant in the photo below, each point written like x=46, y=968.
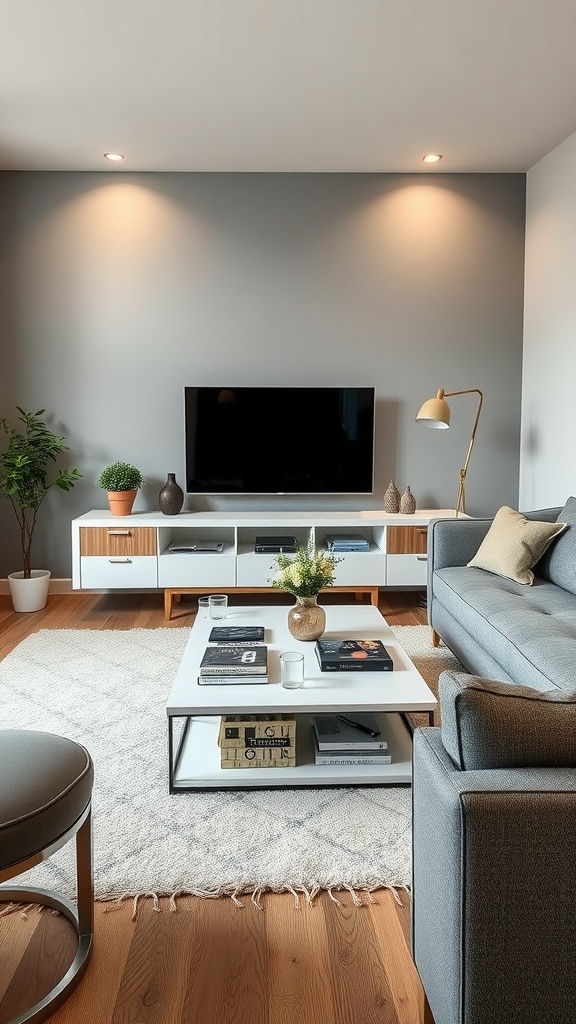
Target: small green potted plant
x=122, y=482
x=24, y=480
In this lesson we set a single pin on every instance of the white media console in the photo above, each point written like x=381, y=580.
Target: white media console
x=131, y=552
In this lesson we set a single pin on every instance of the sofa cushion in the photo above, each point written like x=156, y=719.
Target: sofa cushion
x=514, y=544
x=490, y=724
x=559, y=563
x=529, y=631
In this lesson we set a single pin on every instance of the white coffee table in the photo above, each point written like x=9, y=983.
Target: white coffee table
x=194, y=758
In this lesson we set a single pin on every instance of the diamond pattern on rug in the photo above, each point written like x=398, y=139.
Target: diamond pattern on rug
x=107, y=689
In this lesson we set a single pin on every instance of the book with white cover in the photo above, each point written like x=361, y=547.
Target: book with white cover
x=373, y=757
x=235, y=678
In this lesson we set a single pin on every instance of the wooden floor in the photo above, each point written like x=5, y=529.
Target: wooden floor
x=211, y=963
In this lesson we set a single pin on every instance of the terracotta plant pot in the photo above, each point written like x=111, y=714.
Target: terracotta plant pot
x=121, y=502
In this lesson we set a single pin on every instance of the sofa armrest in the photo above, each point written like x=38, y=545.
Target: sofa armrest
x=454, y=541
x=493, y=888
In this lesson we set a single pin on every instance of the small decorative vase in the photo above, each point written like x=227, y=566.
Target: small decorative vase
x=306, y=619
x=408, y=503
x=392, y=498
x=171, y=497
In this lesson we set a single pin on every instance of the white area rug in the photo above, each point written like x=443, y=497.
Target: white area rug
x=107, y=689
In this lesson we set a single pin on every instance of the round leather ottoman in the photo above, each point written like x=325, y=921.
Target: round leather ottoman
x=45, y=799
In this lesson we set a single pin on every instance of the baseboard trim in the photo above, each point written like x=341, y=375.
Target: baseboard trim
x=57, y=586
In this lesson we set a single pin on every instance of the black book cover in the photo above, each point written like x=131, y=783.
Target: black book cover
x=353, y=656
x=230, y=660
x=239, y=633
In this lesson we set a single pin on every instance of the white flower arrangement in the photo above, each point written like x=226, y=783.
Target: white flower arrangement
x=305, y=573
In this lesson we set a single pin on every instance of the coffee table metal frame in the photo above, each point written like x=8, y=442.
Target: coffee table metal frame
x=194, y=756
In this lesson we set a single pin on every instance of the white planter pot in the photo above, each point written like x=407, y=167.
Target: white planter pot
x=29, y=595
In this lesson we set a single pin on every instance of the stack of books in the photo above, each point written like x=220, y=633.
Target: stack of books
x=353, y=656
x=257, y=741
x=350, y=738
x=240, y=659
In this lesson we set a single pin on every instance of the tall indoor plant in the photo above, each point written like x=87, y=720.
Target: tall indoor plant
x=24, y=480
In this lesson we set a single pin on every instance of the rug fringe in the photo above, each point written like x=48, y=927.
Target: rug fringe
x=309, y=893
x=255, y=894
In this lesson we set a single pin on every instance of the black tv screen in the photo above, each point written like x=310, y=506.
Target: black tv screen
x=279, y=440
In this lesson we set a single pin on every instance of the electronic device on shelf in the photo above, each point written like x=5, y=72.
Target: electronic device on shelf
x=279, y=440
x=273, y=545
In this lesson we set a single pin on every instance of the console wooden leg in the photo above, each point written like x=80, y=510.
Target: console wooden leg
x=167, y=604
x=435, y=638
x=374, y=594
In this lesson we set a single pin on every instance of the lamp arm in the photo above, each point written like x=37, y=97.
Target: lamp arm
x=461, y=496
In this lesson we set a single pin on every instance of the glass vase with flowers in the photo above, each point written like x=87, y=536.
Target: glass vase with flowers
x=304, y=574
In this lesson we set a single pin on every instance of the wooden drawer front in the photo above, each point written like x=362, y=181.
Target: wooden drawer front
x=118, y=572
x=406, y=570
x=118, y=540
x=406, y=540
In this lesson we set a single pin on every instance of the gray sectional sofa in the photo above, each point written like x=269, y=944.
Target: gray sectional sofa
x=498, y=628
x=494, y=788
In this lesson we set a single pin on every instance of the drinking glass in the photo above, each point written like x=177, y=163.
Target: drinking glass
x=203, y=607
x=292, y=670
x=218, y=606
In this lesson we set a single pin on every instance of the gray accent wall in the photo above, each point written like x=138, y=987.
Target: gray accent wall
x=118, y=289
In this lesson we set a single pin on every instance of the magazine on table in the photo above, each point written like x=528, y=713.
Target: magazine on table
x=351, y=731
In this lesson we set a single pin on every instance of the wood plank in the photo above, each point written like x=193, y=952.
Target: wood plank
x=45, y=960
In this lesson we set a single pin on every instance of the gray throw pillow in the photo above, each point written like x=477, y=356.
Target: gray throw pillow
x=559, y=563
x=487, y=723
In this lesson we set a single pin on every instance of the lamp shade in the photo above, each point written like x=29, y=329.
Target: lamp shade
x=435, y=412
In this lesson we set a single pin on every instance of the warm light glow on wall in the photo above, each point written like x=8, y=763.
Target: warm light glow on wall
x=432, y=158
x=113, y=156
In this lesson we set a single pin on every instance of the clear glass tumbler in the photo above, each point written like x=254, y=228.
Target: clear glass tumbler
x=292, y=670
x=203, y=607
x=218, y=606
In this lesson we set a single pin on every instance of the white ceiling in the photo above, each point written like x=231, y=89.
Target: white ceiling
x=285, y=85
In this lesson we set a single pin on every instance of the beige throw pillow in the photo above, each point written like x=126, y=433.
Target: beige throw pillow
x=514, y=544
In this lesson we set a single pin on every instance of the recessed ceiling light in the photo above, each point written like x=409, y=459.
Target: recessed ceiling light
x=432, y=158
x=118, y=156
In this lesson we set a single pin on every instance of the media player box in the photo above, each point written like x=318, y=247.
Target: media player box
x=273, y=545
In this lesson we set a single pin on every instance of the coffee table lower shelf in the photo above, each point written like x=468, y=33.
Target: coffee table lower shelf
x=195, y=760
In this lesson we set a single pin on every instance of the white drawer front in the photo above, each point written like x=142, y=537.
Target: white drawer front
x=365, y=568
x=406, y=570
x=194, y=569
x=255, y=570
x=102, y=572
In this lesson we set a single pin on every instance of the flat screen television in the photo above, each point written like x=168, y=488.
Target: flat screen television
x=279, y=440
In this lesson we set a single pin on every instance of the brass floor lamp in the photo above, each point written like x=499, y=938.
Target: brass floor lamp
x=436, y=413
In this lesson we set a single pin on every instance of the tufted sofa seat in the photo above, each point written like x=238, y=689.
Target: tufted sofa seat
x=498, y=628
